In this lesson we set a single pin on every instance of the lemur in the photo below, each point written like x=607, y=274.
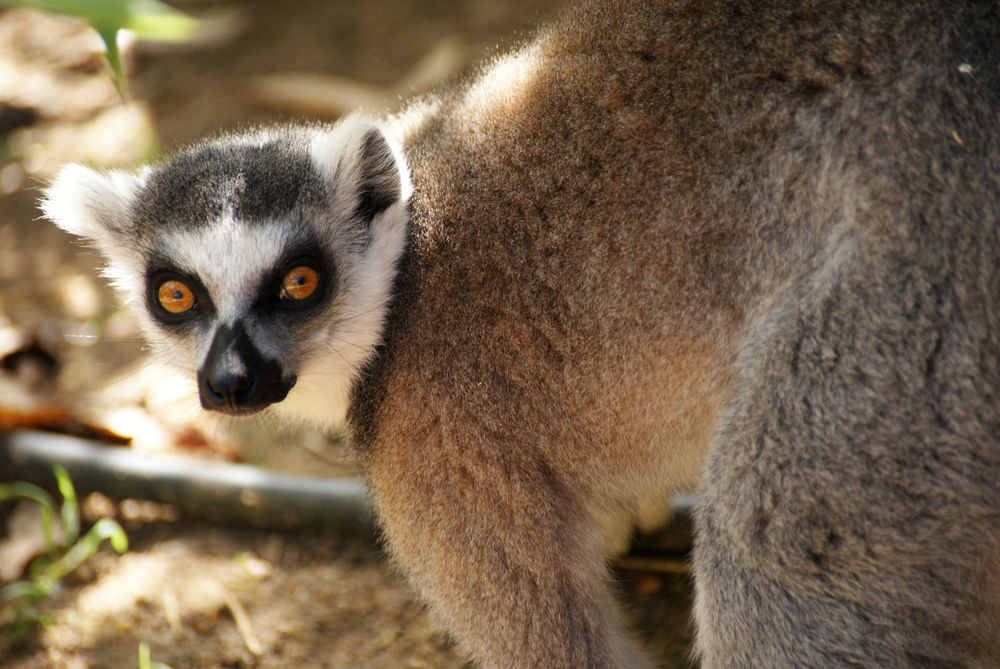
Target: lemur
x=748, y=248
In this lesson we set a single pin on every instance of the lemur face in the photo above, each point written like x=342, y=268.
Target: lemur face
x=256, y=262
x=238, y=276
x=247, y=324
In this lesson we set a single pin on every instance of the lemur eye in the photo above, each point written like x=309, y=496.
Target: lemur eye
x=299, y=284
x=175, y=297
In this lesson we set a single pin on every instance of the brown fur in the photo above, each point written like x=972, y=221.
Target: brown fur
x=587, y=247
x=516, y=409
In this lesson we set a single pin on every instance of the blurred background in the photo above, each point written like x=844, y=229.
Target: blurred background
x=197, y=594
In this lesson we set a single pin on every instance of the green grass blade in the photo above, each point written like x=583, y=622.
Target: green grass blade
x=84, y=549
x=20, y=589
x=70, y=507
x=45, y=501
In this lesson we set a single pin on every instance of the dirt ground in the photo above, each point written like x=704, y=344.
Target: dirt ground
x=202, y=595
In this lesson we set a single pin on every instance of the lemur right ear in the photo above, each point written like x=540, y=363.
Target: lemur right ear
x=365, y=164
x=88, y=203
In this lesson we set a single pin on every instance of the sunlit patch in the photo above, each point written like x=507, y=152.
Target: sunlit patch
x=80, y=295
x=156, y=578
x=507, y=84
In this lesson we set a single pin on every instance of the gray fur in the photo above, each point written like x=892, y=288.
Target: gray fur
x=256, y=182
x=850, y=511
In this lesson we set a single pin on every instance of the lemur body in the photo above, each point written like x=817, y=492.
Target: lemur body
x=749, y=247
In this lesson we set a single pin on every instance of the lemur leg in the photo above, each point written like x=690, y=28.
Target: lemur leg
x=849, y=503
x=501, y=551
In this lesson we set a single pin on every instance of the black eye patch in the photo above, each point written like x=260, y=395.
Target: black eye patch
x=175, y=297
x=301, y=281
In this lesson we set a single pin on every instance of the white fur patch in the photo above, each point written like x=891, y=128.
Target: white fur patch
x=229, y=258
x=94, y=205
x=88, y=203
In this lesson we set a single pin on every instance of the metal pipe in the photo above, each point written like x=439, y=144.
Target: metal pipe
x=220, y=492
x=233, y=493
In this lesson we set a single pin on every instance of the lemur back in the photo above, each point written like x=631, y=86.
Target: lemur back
x=751, y=248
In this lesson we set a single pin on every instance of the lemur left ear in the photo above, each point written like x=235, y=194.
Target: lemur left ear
x=379, y=180
x=89, y=203
x=365, y=163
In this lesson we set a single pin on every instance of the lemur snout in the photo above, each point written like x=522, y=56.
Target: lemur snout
x=236, y=378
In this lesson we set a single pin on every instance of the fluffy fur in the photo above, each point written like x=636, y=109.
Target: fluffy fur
x=750, y=247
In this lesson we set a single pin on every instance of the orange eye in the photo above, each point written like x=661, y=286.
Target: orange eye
x=175, y=297
x=299, y=284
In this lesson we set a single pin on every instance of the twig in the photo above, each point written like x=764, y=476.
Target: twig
x=244, y=625
x=658, y=565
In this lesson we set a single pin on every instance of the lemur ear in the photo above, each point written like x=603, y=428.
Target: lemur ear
x=379, y=180
x=89, y=203
x=365, y=163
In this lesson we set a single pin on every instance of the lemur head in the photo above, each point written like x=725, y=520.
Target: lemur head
x=262, y=262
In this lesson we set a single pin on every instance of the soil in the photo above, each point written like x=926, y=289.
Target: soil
x=201, y=595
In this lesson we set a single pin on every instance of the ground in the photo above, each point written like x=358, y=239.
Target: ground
x=202, y=595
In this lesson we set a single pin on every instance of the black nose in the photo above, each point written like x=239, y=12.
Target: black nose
x=227, y=391
x=236, y=378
